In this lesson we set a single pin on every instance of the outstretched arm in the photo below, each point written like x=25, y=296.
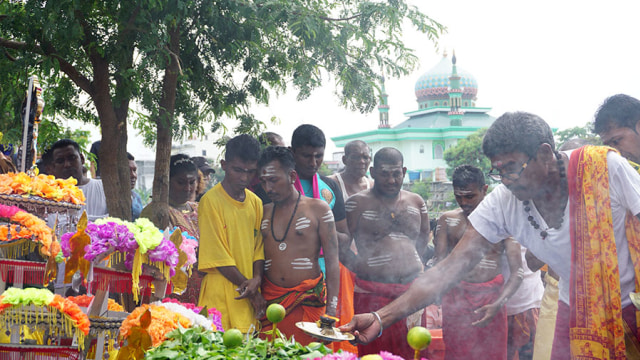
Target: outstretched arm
x=440, y=240
x=425, y=289
x=423, y=239
x=514, y=258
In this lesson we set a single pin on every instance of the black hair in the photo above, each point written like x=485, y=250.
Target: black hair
x=181, y=163
x=130, y=157
x=388, y=155
x=517, y=132
x=464, y=175
x=280, y=153
x=47, y=156
x=352, y=145
x=575, y=143
x=620, y=110
x=244, y=147
x=64, y=143
x=307, y=135
x=268, y=138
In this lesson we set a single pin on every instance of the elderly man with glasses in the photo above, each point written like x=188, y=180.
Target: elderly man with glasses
x=576, y=211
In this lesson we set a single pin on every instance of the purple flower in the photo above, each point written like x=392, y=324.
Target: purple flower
x=65, y=246
x=389, y=356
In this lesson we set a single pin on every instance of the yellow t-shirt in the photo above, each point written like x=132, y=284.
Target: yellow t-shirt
x=229, y=236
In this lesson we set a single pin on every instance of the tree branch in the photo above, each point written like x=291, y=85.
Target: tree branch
x=48, y=50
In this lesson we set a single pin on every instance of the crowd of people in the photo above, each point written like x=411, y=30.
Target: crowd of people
x=276, y=231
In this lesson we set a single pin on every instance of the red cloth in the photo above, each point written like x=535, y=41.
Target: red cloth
x=345, y=306
x=305, y=302
x=371, y=296
x=522, y=332
x=464, y=341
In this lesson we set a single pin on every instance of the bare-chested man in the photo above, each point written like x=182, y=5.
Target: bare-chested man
x=294, y=227
x=390, y=228
x=479, y=298
x=356, y=159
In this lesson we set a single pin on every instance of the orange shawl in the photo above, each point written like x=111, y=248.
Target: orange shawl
x=310, y=293
x=596, y=330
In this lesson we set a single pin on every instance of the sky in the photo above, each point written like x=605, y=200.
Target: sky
x=556, y=59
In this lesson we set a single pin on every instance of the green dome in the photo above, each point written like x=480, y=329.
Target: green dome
x=434, y=84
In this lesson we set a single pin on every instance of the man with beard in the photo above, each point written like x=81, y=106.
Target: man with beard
x=595, y=190
x=475, y=307
x=294, y=228
x=390, y=228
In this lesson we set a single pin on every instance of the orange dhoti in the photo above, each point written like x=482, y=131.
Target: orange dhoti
x=305, y=302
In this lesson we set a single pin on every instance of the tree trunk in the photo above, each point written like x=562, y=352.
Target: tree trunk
x=114, y=165
x=160, y=201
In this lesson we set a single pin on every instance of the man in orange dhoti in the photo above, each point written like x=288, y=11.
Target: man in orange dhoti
x=294, y=227
x=594, y=251
x=304, y=302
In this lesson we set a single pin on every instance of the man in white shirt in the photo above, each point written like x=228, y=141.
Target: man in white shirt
x=530, y=205
x=65, y=160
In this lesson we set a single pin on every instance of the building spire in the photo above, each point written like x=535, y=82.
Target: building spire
x=455, y=95
x=383, y=108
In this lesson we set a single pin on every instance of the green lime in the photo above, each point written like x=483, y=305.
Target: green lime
x=276, y=313
x=232, y=338
x=419, y=338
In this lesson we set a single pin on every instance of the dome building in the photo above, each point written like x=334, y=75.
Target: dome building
x=447, y=112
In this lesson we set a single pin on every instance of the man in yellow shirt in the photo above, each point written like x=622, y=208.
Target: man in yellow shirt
x=231, y=250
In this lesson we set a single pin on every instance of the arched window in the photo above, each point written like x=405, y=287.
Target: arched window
x=435, y=103
x=421, y=149
x=438, y=151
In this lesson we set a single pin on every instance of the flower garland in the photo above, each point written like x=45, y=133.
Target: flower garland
x=85, y=301
x=33, y=224
x=213, y=313
x=163, y=321
x=195, y=318
x=11, y=312
x=44, y=186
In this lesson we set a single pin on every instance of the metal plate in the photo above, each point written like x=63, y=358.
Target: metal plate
x=312, y=329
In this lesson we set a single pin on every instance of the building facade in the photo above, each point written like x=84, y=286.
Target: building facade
x=446, y=113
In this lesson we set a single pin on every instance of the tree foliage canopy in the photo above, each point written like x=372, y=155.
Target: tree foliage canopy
x=468, y=151
x=188, y=63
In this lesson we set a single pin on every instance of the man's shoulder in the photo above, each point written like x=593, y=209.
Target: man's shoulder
x=330, y=182
x=412, y=197
x=315, y=205
x=455, y=213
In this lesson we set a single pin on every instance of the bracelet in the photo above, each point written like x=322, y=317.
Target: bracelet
x=380, y=321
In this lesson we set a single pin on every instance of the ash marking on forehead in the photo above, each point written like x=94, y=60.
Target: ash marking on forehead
x=269, y=170
x=390, y=167
x=460, y=192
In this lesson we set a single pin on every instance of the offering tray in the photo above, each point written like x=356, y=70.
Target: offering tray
x=312, y=329
x=37, y=204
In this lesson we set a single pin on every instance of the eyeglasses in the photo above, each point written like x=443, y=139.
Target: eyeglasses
x=511, y=176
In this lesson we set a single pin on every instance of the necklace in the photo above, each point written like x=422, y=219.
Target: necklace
x=563, y=193
x=392, y=213
x=283, y=245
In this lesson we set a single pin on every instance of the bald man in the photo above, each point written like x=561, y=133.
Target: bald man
x=356, y=159
x=391, y=231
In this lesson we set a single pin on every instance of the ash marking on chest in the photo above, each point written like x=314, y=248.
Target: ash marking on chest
x=350, y=205
x=413, y=210
x=379, y=260
x=452, y=221
x=302, y=264
x=303, y=223
x=371, y=215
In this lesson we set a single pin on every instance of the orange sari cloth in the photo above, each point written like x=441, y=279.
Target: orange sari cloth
x=305, y=302
x=596, y=329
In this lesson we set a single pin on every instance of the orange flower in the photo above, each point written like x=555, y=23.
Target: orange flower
x=163, y=321
x=44, y=186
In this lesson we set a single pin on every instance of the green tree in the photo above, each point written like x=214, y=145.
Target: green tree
x=468, y=151
x=189, y=62
x=578, y=132
x=422, y=188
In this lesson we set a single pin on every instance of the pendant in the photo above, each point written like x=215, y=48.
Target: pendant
x=282, y=246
